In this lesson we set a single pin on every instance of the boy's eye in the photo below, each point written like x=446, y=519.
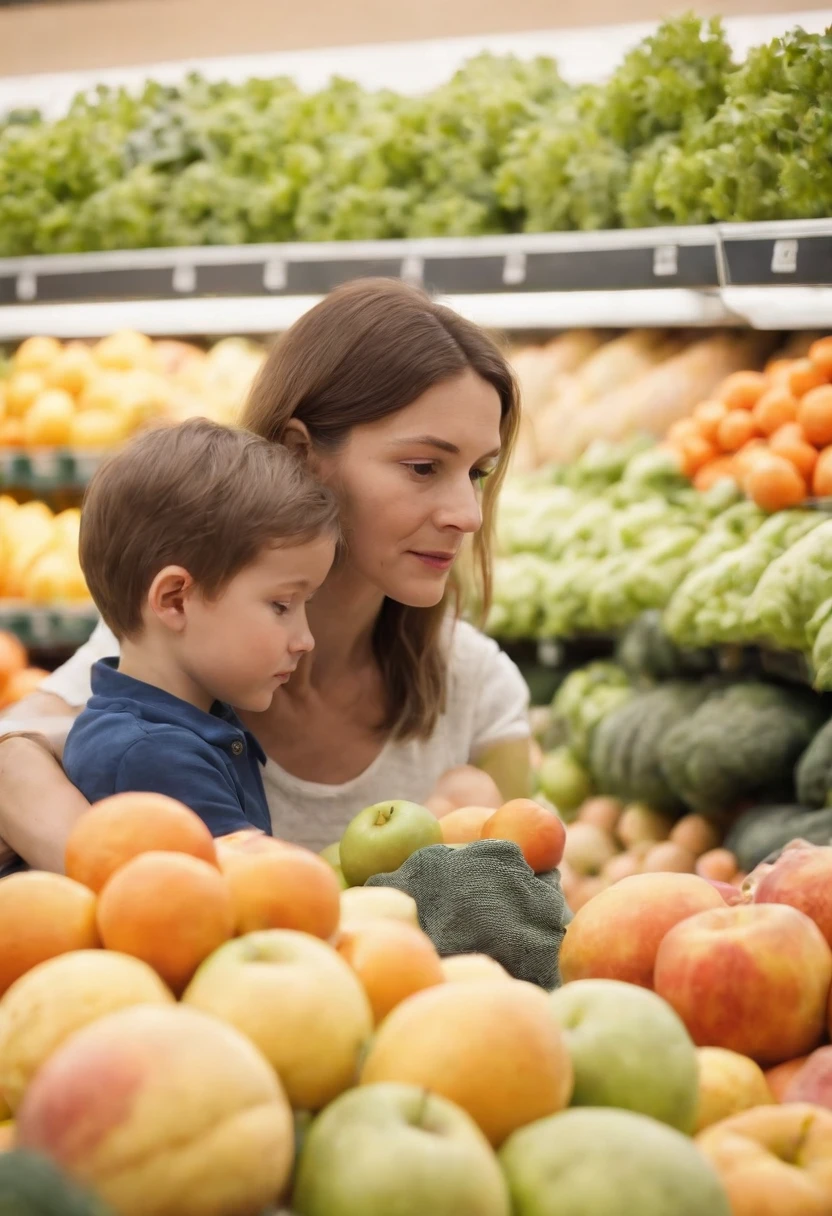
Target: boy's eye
x=280, y=609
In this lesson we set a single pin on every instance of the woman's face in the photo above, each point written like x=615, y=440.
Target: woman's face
x=411, y=487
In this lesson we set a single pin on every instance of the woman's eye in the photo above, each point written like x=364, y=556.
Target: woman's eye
x=423, y=468
x=480, y=475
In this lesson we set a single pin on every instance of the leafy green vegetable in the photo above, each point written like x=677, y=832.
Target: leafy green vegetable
x=792, y=589
x=813, y=775
x=585, y=697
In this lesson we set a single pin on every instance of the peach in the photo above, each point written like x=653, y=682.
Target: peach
x=467, y=968
x=360, y=904
x=801, y=878
x=168, y=909
x=779, y=1077
x=161, y=1111
x=298, y=1001
x=813, y=1081
x=120, y=828
x=774, y=1160
x=588, y=848
x=59, y=997
x=754, y=979
x=41, y=916
x=586, y=889
x=464, y=824
x=616, y=935
x=392, y=961
x=728, y=1083
x=282, y=888
x=696, y=834
x=669, y=857
x=623, y=865
x=248, y=840
x=603, y=812
x=539, y=833
x=492, y=1047
x=717, y=864
x=639, y=823
x=466, y=785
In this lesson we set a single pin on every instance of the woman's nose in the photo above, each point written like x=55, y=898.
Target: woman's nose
x=462, y=510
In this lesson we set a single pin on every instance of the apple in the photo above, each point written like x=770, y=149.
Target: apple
x=616, y=935
x=588, y=848
x=332, y=855
x=397, y=1148
x=377, y=903
x=639, y=823
x=629, y=1049
x=774, y=1159
x=382, y=837
x=754, y=979
x=298, y=1001
x=728, y=1084
x=602, y=811
x=467, y=968
x=801, y=878
x=813, y=1080
x=779, y=1078
x=603, y=1162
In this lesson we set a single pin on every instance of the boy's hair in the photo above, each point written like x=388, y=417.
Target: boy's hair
x=206, y=497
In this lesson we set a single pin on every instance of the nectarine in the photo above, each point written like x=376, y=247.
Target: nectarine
x=392, y=960
x=42, y=915
x=464, y=824
x=282, y=888
x=539, y=833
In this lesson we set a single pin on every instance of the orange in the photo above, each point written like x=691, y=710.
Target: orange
x=820, y=352
x=804, y=376
x=464, y=824
x=714, y=471
x=822, y=477
x=774, y=409
x=774, y=484
x=392, y=960
x=282, y=887
x=41, y=916
x=540, y=833
x=742, y=390
x=708, y=415
x=790, y=443
x=48, y=420
x=168, y=909
x=736, y=430
x=815, y=415
x=117, y=829
x=694, y=454
x=12, y=657
x=36, y=353
x=21, y=684
x=681, y=431
x=490, y=1046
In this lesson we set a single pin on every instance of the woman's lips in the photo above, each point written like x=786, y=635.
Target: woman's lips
x=436, y=561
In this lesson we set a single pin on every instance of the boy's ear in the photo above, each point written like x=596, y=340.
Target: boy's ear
x=168, y=594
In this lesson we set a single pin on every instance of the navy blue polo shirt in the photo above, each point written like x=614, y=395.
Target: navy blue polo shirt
x=133, y=736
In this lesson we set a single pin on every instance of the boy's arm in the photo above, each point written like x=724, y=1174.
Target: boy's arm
x=196, y=776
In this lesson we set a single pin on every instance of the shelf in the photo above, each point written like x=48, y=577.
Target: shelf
x=770, y=276
x=49, y=627
x=46, y=470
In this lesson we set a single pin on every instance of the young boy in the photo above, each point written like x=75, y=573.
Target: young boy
x=201, y=546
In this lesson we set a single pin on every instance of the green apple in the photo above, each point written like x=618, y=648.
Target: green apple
x=382, y=837
x=596, y=1162
x=628, y=1049
x=332, y=855
x=298, y=1001
x=397, y=1148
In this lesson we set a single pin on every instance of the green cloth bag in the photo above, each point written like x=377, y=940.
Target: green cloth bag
x=486, y=899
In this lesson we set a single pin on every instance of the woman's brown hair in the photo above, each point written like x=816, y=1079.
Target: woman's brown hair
x=367, y=350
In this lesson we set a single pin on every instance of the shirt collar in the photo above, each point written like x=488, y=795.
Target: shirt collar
x=219, y=728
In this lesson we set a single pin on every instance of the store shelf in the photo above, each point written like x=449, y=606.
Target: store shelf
x=48, y=627
x=771, y=276
x=46, y=470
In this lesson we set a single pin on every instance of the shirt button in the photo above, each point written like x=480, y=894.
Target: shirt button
x=237, y=747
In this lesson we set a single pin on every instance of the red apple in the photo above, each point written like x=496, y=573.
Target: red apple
x=812, y=1082
x=801, y=878
x=754, y=979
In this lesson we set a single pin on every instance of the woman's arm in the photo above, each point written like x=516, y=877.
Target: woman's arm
x=509, y=764
x=38, y=805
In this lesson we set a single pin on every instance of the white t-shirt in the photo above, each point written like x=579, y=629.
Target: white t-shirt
x=487, y=703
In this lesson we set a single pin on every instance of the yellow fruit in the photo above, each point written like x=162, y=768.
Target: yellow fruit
x=53, y=576
x=2, y=400
x=21, y=391
x=97, y=429
x=36, y=354
x=124, y=350
x=73, y=369
x=49, y=419
x=66, y=526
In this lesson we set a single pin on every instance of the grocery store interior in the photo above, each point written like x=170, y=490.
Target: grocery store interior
x=635, y=205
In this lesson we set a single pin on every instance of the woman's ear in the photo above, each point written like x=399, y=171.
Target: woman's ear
x=168, y=595
x=297, y=439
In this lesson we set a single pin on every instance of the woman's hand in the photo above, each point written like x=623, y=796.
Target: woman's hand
x=38, y=805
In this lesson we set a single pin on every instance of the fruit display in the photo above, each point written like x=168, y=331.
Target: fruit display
x=770, y=431
x=678, y=134
x=17, y=677
x=91, y=397
x=226, y=1049
x=39, y=554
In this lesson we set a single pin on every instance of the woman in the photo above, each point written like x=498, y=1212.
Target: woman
x=409, y=413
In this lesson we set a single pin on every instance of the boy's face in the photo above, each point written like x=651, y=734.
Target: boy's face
x=243, y=644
